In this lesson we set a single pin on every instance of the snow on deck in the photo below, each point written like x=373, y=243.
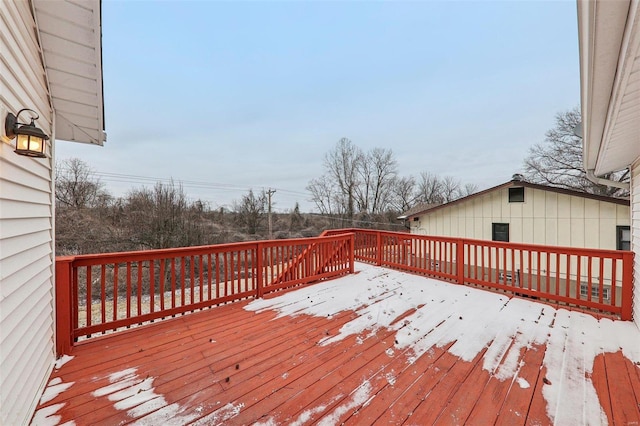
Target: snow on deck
x=378, y=346
x=472, y=319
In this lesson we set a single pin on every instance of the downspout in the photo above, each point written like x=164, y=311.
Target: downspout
x=602, y=181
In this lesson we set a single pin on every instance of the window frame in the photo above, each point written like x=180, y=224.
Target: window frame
x=516, y=194
x=595, y=292
x=495, y=232
x=619, y=234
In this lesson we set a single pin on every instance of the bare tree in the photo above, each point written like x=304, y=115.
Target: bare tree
x=450, y=189
x=296, y=221
x=162, y=217
x=404, y=193
x=430, y=189
x=558, y=160
x=251, y=211
x=342, y=168
x=325, y=196
x=377, y=171
x=77, y=186
x=468, y=189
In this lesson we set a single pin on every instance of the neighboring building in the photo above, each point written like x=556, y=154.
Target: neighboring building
x=50, y=56
x=609, y=35
x=523, y=212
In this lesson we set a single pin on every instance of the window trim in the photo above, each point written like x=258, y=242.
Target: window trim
x=619, y=233
x=595, y=292
x=516, y=194
x=493, y=231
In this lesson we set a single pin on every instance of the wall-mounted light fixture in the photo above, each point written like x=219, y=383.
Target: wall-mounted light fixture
x=31, y=140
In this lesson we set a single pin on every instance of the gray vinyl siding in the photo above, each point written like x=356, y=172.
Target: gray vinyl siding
x=26, y=211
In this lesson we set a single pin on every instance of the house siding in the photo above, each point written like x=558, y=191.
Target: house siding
x=545, y=217
x=635, y=237
x=26, y=225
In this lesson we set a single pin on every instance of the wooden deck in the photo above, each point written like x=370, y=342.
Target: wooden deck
x=231, y=365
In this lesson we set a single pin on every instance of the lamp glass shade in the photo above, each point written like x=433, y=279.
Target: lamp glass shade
x=30, y=145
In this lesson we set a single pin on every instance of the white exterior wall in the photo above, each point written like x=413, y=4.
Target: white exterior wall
x=635, y=238
x=545, y=217
x=26, y=225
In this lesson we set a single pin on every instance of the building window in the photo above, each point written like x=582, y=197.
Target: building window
x=516, y=195
x=623, y=238
x=500, y=232
x=595, y=292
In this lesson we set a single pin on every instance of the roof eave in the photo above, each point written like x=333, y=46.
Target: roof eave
x=70, y=35
x=601, y=28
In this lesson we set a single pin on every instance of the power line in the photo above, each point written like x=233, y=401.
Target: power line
x=129, y=178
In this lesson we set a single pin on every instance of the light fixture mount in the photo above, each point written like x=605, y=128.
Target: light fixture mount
x=31, y=140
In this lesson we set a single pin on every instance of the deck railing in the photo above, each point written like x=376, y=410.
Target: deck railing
x=101, y=293
x=599, y=280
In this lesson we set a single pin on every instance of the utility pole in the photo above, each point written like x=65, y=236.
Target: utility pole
x=269, y=193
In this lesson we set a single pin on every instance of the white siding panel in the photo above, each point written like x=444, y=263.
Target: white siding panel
x=635, y=238
x=26, y=247
x=591, y=234
x=546, y=217
x=15, y=227
x=39, y=259
x=18, y=191
x=12, y=209
x=608, y=234
x=577, y=230
x=539, y=204
x=540, y=235
x=551, y=205
x=35, y=329
x=19, y=246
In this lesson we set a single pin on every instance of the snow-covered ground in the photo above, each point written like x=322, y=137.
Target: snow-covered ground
x=441, y=313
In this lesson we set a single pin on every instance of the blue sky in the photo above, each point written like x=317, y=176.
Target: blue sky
x=228, y=96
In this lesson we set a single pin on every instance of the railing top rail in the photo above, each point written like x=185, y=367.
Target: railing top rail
x=616, y=254
x=104, y=258
x=550, y=249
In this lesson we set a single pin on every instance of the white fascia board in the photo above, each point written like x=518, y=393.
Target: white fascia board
x=601, y=27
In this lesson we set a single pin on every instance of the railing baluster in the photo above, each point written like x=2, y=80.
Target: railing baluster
x=89, y=301
x=161, y=284
x=173, y=282
x=128, y=290
x=252, y=269
x=152, y=286
x=103, y=294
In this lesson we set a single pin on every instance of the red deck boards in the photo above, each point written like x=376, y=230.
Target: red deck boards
x=229, y=365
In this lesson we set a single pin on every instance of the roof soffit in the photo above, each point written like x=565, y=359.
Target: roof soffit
x=71, y=41
x=605, y=29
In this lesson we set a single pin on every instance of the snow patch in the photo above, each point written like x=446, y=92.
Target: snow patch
x=53, y=389
x=138, y=397
x=62, y=361
x=359, y=397
x=436, y=314
x=523, y=383
x=221, y=415
x=391, y=379
x=307, y=415
x=47, y=416
x=118, y=381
